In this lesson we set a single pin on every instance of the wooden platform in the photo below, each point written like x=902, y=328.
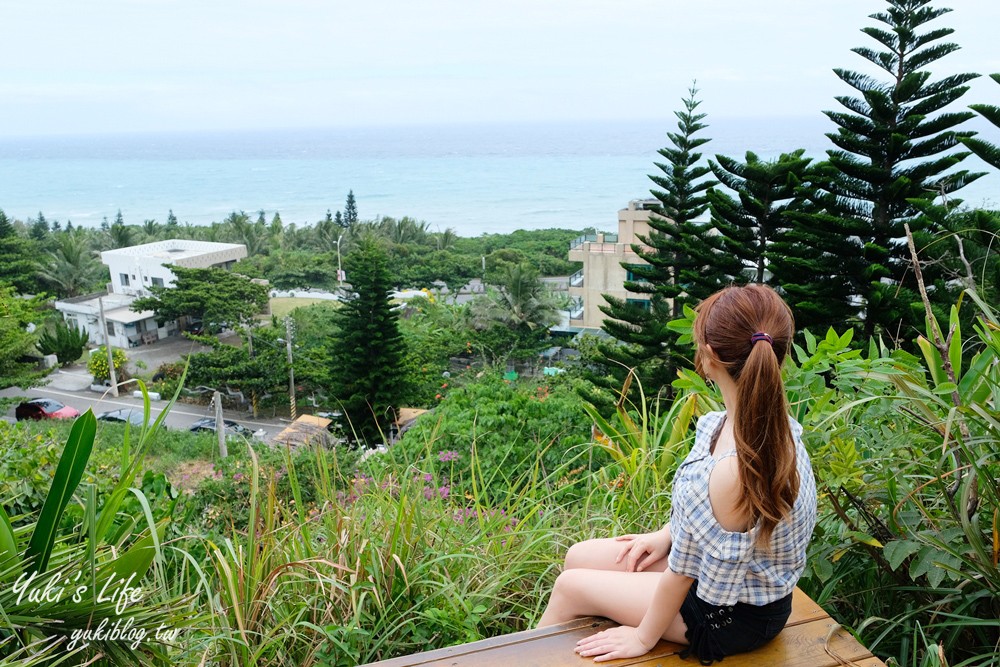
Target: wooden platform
x=803, y=643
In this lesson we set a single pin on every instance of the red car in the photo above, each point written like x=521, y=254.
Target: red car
x=44, y=408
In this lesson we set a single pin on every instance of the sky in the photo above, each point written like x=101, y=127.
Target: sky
x=108, y=66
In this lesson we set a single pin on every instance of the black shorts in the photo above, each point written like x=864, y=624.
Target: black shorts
x=713, y=632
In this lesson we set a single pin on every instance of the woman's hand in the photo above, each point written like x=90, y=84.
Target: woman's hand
x=613, y=644
x=639, y=551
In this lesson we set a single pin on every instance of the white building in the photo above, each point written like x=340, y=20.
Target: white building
x=133, y=271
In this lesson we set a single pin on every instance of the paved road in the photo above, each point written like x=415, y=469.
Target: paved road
x=73, y=389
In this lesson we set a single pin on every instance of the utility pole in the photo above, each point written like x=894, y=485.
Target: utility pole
x=340, y=271
x=220, y=424
x=107, y=345
x=291, y=371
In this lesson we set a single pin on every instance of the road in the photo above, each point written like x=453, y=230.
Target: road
x=73, y=390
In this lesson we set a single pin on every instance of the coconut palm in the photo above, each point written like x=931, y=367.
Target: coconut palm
x=72, y=268
x=518, y=299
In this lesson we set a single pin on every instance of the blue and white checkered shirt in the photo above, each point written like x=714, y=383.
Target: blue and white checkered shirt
x=727, y=565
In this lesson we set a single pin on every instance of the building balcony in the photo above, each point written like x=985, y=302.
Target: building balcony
x=595, y=243
x=576, y=280
x=576, y=310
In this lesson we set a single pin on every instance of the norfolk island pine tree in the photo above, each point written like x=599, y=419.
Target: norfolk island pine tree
x=889, y=150
x=679, y=269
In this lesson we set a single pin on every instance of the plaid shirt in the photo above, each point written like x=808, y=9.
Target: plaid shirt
x=727, y=565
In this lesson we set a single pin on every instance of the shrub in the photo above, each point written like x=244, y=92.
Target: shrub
x=66, y=342
x=521, y=432
x=97, y=365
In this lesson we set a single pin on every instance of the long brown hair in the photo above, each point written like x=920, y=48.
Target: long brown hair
x=727, y=321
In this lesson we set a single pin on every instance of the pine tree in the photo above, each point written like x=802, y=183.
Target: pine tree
x=813, y=262
x=750, y=224
x=18, y=265
x=39, y=228
x=988, y=152
x=366, y=356
x=350, y=210
x=678, y=257
x=892, y=145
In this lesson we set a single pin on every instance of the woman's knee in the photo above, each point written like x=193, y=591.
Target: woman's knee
x=598, y=554
x=569, y=584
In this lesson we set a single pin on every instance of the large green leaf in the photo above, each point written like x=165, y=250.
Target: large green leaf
x=69, y=472
x=8, y=546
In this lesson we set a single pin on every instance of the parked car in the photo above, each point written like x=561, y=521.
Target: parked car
x=123, y=415
x=233, y=429
x=44, y=408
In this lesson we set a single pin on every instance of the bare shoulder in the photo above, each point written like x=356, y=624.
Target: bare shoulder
x=724, y=494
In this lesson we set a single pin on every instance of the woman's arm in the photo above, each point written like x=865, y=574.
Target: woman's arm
x=628, y=642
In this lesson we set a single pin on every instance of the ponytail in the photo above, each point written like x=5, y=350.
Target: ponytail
x=764, y=447
x=750, y=330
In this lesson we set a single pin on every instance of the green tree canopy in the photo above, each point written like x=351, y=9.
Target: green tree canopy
x=18, y=265
x=218, y=297
x=18, y=362
x=365, y=370
x=750, y=223
x=72, y=269
x=680, y=263
x=514, y=314
x=893, y=146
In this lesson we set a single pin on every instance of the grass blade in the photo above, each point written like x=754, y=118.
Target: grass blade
x=68, y=475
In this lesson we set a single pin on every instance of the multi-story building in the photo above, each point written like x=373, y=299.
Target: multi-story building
x=133, y=271
x=603, y=256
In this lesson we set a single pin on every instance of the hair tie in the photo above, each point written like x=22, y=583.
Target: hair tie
x=759, y=336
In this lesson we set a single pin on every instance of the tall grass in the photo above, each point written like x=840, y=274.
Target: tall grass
x=384, y=560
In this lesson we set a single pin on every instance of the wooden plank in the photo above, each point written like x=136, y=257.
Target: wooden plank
x=804, y=609
x=577, y=628
x=545, y=647
x=801, y=644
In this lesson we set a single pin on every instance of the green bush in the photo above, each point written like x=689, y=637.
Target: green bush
x=97, y=364
x=65, y=342
x=521, y=432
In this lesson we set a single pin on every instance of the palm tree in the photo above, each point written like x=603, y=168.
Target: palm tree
x=151, y=229
x=72, y=268
x=403, y=231
x=446, y=239
x=121, y=235
x=519, y=299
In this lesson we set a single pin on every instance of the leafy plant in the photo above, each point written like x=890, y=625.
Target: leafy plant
x=646, y=448
x=66, y=342
x=97, y=364
x=56, y=587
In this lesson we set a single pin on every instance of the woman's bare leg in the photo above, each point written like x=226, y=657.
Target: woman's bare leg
x=593, y=584
x=624, y=597
x=600, y=554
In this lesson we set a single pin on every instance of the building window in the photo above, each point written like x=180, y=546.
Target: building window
x=111, y=328
x=124, y=279
x=642, y=303
x=157, y=282
x=631, y=276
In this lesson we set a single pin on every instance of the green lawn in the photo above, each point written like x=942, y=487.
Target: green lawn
x=282, y=306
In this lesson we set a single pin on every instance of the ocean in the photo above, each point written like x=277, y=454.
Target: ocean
x=473, y=179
